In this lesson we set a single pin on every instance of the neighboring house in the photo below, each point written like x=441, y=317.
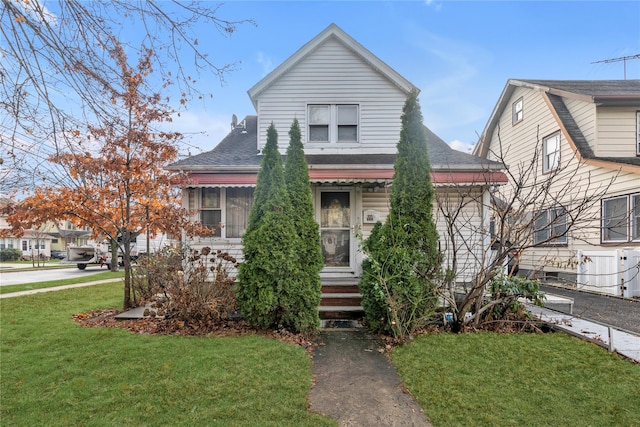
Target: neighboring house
x=590, y=130
x=349, y=105
x=65, y=234
x=33, y=243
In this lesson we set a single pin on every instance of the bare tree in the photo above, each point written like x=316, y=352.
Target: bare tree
x=534, y=212
x=56, y=67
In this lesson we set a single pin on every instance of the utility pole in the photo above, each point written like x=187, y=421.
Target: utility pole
x=624, y=59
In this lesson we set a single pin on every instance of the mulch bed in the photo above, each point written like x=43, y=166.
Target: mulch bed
x=161, y=326
x=234, y=328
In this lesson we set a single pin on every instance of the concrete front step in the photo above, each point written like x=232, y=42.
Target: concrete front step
x=341, y=300
x=338, y=289
x=343, y=312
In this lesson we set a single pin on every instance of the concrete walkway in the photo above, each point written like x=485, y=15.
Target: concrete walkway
x=58, y=288
x=358, y=385
x=622, y=342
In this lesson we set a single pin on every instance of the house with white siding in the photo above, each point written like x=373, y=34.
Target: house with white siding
x=349, y=104
x=577, y=138
x=33, y=244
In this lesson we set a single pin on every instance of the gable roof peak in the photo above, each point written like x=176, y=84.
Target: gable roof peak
x=330, y=32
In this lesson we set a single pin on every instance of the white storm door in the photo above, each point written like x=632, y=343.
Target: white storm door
x=335, y=214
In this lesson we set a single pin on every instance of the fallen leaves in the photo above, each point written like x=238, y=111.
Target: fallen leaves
x=160, y=326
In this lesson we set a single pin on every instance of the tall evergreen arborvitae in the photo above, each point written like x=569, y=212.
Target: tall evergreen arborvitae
x=306, y=295
x=404, y=263
x=269, y=270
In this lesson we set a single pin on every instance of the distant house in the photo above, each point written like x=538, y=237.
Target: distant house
x=65, y=234
x=349, y=106
x=32, y=244
x=592, y=130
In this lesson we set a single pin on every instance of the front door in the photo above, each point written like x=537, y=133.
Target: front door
x=335, y=216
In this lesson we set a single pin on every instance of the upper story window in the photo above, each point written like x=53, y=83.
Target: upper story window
x=637, y=133
x=333, y=123
x=517, y=110
x=551, y=152
x=621, y=219
x=550, y=227
x=225, y=210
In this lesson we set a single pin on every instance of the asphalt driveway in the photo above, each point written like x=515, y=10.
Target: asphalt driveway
x=621, y=313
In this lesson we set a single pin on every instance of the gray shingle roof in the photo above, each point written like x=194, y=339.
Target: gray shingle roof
x=601, y=92
x=571, y=126
x=238, y=151
x=594, y=88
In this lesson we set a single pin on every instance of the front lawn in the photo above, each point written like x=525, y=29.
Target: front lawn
x=56, y=372
x=487, y=379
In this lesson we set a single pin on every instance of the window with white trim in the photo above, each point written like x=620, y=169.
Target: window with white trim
x=225, y=210
x=621, y=219
x=635, y=217
x=6, y=244
x=550, y=227
x=332, y=123
x=517, y=110
x=551, y=152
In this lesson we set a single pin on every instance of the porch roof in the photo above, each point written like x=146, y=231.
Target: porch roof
x=351, y=176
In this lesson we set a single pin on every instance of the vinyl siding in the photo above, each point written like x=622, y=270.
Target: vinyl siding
x=616, y=131
x=468, y=240
x=378, y=201
x=520, y=143
x=584, y=114
x=334, y=75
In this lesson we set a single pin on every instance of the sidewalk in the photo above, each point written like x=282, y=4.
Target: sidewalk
x=358, y=385
x=624, y=343
x=58, y=288
x=9, y=267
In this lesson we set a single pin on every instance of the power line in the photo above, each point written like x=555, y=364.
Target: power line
x=624, y=59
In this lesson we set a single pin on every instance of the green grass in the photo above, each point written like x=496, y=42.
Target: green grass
x=62, y=282
x=485, y=379
x=57, y=373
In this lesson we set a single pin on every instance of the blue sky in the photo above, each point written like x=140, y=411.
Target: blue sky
x=459, y=53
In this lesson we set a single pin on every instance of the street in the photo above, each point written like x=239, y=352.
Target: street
x=8, y=277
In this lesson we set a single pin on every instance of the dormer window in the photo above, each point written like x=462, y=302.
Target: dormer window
x=333, y=123
x=517, y=111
